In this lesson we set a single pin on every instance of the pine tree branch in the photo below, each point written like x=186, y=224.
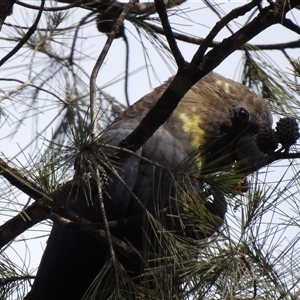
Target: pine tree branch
x=291, y=25
x=19, y=181
x=42, y=209
x=250, y=47
x=21, y=222
x=37, y=212
x=235, y=13
x=163, y=15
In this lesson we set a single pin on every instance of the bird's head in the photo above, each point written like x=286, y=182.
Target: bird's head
x=222, y=118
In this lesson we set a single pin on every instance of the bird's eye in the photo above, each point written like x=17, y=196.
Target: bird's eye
x=242, y=114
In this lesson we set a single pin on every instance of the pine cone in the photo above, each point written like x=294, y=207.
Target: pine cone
x=266, y=140
x=287, y=131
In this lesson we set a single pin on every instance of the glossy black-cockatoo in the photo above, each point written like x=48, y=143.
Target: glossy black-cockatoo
x=213, y=126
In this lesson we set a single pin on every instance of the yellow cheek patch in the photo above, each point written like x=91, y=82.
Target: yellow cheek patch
x=190, y=125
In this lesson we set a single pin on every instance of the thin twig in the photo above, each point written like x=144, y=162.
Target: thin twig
x=133, y=195
x=93, y=105
x=214, y=10
x=15, y=90
x=78, y=26
x=163, y=15
x=15, y=26
x=100, y=61
x=26, y=37
x=290, y=60
x=99, y=183
x=126, y=68
x=60, y=8
x=27, y=83
x=235, y=13
x=139, y=8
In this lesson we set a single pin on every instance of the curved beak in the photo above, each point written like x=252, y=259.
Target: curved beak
x=248, y=153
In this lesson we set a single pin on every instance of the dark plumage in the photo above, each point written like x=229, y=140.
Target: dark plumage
x=217, y=118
